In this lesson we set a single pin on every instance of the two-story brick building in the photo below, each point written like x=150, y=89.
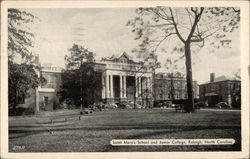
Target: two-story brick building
x=47, y=98
x=220, y=89
x=169, y=89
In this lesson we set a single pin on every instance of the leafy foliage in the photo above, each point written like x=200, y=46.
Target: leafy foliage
x=20, y=39
x=21, y=78
x=80, y=79
x=78, y=55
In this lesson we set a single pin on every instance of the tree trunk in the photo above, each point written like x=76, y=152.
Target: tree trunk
x=189, y=106
x=16, y=100
x=135, y=93
x=153, y=85
x=172, y=90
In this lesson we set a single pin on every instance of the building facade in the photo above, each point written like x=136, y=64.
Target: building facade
x=220, y=89
x=123, y=79
x=169, y=89
x=47, y=97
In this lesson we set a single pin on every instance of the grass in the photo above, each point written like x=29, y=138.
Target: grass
x=94, y=132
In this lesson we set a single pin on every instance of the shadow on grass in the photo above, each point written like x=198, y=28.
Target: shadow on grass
x=20, y=131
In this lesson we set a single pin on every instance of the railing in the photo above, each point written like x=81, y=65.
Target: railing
x=128, y=67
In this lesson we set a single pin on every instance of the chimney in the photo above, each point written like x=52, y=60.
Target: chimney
x=212, y=76
x=36, y=59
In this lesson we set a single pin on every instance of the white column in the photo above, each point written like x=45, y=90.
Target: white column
x=123, y=94
x=121, y=90
x=111, y=87
x=37, y=98
x=102, y=87
x=149, y=86
x=107, y=86
x=136, y=86
x=125, y=87
x=139, y=87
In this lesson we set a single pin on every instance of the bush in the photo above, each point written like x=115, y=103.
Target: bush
x=21, y=111
x=130, y=105
x=28, y=111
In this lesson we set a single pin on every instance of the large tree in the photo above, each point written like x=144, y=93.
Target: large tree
x=21, y=76
x=20, y=38
x=80, y=81
x=190, y=26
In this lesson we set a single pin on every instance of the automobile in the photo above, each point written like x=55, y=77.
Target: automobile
x=110, y=105
x=125, y=105
x=199, y=105
x=86, y=111
x=172, y=106
x=97, y=106
x=222, y=105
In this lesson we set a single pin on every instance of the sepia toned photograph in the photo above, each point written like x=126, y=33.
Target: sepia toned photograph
x=124, y=79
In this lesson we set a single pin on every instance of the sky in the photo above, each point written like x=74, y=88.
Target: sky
x=104, y=32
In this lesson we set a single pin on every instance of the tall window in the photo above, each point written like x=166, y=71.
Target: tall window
x=161, y=94
x=46, y=100
x=177, y=95
x=169, y=95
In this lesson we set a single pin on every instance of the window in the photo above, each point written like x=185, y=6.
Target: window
x=46, y=100
x=161, y=94
x=212, y=87
x=169, y=95
x=186, y=96
x=204, y=88
x=177, y=96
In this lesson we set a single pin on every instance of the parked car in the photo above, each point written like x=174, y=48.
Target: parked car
x=110, y=105
x=87, y=111
x=125, y=105
x=97, y=106
x=172, y=106
x=199, y=105
x=222, y=105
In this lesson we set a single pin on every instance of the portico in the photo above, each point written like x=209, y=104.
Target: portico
x=123, y=79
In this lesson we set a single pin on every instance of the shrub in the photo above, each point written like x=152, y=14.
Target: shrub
x=28, y=111
x=21, y=111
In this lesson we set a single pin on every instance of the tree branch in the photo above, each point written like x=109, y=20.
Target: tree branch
x=162, y=41
x=196, y=20
x=160, y=25
x=175, y=26
x=237, y=11
x=189, y=16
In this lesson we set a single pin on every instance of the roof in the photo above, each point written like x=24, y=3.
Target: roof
x=116, y=57
x=222, y=78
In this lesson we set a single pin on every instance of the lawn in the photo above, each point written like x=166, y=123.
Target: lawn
x=94, y=132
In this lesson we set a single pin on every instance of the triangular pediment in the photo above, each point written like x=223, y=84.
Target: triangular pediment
x=124, y=56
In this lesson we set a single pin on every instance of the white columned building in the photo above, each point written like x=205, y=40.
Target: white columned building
x=123, y=78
